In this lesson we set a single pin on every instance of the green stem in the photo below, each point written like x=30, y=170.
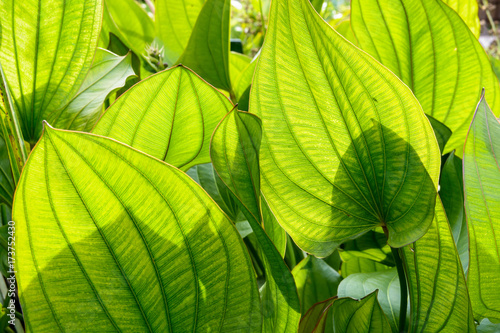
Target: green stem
x=404, y=290
x=11, y=131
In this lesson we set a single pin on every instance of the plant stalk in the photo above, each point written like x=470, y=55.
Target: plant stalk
x=11, y=131
x=404, y=289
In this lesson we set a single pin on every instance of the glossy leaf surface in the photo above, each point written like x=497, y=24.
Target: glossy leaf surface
x=144, y=247
x=46, y=50
x=156, y=115
x=482, y=207
x=430, y=48
x=346, y=146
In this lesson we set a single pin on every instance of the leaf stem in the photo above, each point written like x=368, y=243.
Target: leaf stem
x=402, y=284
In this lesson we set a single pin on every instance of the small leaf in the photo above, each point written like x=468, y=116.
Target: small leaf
x=361, y=265
x=430, y=48
x=389, y=293
x=365, y=315
x=129, y=22
x=46, y=52
x=318, y=318
x=207, y=52
x=108, y=73
x=315, y=280
x=442, y=132
x=126, y=240
x=482, y=206
x=372, y=245
x=170, y=115
x=7, y=185
x=346, y=146
x=436, y=282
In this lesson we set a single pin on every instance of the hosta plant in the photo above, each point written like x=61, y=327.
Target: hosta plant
x=344, y=179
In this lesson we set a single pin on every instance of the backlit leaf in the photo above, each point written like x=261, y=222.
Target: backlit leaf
x=430, y=48
x=170, y=115
x=346, y=146
x=110, y=234
x=482, y=207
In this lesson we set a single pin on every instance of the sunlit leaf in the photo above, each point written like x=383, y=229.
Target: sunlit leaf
x=207, y=52
x=108, y=73
x=170, y=115
x=482, y=207
x=46, y=51
x=129, y=22
x=7, y=185
x=436, y=282
x=108, y=233
x=430, y=48
x=346, y=146
x=468, y=12
x=318, y=318
x=234, y=153
x=174, y=22
x=361, y=265
x=372, y=245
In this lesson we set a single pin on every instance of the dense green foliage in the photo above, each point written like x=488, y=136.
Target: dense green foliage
x=248, y=166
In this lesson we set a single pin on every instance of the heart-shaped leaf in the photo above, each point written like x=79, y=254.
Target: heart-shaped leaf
x=170, y=115
x=111, y=239
x=346, y=146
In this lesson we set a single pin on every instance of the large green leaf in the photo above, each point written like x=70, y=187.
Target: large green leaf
x=234, y=153
x=318, y=319
x=108, y=73
x=452, y=195
x=365, y=315
x=174, y=22
x=207, y=52
x=467, y=9
x=315, y=280
x=346, y=146
x=170, y=115
x=387, y=284
x=482, y=207
x=112, y=239
x=432, y=50
x=438, y=292
x=46, y=50
x=129, y=22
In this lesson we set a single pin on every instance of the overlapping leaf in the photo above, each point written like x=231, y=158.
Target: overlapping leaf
x=174, y=22
x=432, y=50
x=438, y=292
x=170, y=115
x=346, y=146
x=46, y=50
x=468, y=11
x=387, y=284
x=482, y=207
x=315, y=280
x=108, y=233
x=207, y=52
x=7, y=185
x=234, y=152
x=108, y=73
